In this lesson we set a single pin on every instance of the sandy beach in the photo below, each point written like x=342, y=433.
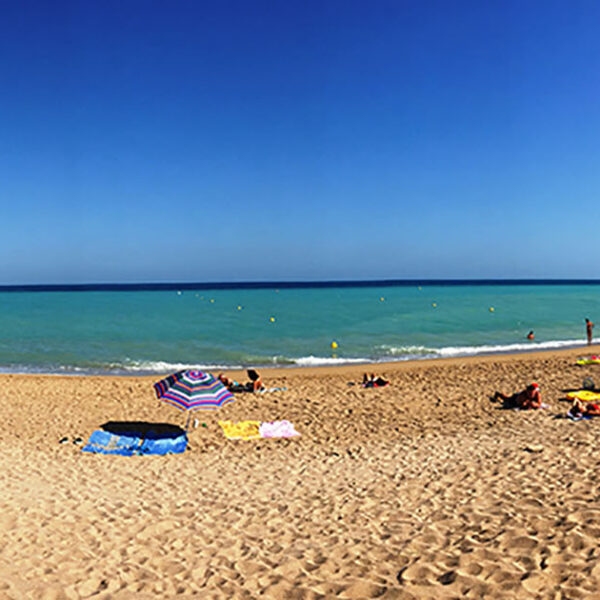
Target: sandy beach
x=422, y=489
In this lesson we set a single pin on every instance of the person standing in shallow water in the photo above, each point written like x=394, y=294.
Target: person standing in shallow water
x=589, y=326
x=531, y=335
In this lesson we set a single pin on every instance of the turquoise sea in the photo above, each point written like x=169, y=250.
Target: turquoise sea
x=141, y=331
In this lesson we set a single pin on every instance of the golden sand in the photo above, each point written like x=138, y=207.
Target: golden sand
x=423, y=489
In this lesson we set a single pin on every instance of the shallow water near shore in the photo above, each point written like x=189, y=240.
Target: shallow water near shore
x=156, y=331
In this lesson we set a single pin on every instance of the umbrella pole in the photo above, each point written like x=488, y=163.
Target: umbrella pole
x=187, y=422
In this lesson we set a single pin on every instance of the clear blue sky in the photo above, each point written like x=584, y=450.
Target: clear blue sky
x=228, y=141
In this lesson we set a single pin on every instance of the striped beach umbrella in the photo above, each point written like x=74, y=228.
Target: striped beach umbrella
x=193, y=390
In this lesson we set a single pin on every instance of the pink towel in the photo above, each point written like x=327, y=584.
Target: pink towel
x=277, y=429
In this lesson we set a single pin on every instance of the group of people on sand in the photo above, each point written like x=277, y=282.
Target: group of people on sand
x=370, y=380
x=530, y=399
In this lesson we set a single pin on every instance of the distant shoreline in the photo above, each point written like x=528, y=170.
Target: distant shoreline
x=257, y=285
x=387, y=365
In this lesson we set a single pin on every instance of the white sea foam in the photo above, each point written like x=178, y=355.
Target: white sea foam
x=317, y=361
x=413, y=352
x=501, y=348
x=404, y=351
x=158, y=366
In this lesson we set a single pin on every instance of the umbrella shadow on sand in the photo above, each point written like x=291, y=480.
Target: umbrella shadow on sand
x=143, y=429
x=129, y=438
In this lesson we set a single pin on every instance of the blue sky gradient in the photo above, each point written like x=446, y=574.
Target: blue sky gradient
x=235, y=141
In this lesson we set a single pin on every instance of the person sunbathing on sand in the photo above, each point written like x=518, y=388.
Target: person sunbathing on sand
x=581, y=409
x=529, y=398
x=254, y=385
x=231, y=384
x=373, y=381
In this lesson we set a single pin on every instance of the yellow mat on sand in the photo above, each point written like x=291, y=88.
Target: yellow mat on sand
x=585, y=395
x=243, y=430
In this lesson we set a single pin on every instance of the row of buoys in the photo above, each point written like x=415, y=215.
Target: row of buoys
x=381, y=299
x=272, y=319
x=491, y=309
x=239, y=307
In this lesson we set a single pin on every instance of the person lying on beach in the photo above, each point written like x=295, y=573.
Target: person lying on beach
x=371, y=380
x=254, y=385
x=231, y=384
x=529, y=398
x=255, y=381
x=580, y=409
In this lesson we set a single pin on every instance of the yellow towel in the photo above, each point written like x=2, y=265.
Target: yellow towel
x=244, y=430
x=585, y=395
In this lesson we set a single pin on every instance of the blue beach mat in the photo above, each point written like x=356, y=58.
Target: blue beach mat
x=133, y=443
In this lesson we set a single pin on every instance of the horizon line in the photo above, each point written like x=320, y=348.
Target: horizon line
x=182, y=286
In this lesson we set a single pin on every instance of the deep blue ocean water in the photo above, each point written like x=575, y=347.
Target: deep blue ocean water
x=156, y=331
